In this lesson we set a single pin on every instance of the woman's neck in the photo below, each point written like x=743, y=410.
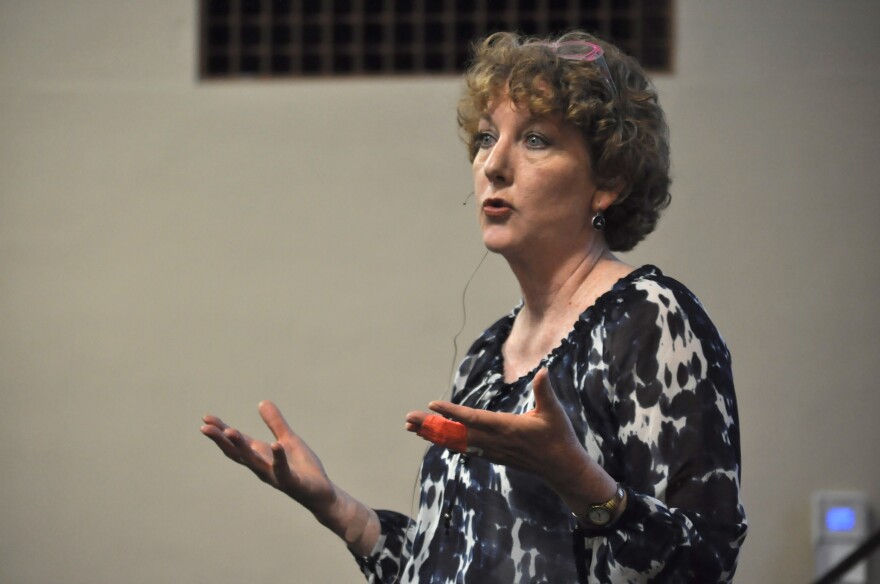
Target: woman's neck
x=554, y=296
x=556, y=285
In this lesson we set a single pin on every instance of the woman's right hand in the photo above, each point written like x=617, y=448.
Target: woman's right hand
x=288, y=464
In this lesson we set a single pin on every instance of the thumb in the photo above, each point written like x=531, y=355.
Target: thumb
x=273, y=418
x=545, y=397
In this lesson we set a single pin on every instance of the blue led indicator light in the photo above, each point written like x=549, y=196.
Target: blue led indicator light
x=840, y=518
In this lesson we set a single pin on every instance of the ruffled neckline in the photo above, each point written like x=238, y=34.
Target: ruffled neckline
x=584, y=322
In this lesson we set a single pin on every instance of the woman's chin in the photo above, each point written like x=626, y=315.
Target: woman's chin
x=501, y=246
x=494, y=244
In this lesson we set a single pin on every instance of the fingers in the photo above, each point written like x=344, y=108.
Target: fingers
x=540, y=441
x=470, y=417
x=215, y=421
x=239, y=447
x=546, y=402
x=215, y=429
x=281, y=468
x=444, y=432
x=414, y=420
x=438, y=430
x=251, y=453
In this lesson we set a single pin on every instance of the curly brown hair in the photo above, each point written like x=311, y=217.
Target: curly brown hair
x=624, y=126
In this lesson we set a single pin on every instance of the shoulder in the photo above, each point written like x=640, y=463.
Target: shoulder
x=648, y=285
x=494, y=336
x=483, y=358
x=649, y=311
x=647, y=296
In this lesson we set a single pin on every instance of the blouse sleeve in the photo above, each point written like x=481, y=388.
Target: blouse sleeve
x=383, y=565
x=676, y=451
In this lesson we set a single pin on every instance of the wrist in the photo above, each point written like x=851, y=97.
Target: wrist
x=355, y=523
x=595, y=499
x=583, y=484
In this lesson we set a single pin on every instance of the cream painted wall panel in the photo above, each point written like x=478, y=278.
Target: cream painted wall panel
x=169, y=248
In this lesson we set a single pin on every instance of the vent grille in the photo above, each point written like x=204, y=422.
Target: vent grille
x=297, y=38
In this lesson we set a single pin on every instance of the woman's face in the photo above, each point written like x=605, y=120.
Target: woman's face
x=533, y=184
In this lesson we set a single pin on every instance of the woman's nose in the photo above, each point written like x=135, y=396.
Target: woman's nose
x=498, y=164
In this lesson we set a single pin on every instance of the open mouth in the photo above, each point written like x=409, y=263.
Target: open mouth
x=496, y=208
x=496, y=204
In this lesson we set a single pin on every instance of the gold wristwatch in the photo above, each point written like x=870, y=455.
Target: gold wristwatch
x=601, y=514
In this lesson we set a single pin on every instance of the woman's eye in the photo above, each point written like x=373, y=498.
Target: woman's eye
x=485, y=139
x=536, y=141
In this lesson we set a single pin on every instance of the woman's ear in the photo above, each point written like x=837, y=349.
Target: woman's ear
x=607, y=196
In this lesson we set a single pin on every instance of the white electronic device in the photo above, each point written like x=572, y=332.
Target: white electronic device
x=840, y=525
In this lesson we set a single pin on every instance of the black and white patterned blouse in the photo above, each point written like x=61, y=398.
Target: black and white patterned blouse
x=646, y=380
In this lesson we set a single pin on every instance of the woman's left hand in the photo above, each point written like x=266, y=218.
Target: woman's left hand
x=541, y=441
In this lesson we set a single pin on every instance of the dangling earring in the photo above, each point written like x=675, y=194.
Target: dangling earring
x=599, y=221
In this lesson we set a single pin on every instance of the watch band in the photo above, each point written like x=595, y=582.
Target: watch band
x=602, y=514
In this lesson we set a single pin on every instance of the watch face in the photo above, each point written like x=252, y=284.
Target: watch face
x=599, y=516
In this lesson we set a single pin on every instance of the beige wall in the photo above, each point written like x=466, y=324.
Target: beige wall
x=169, y=248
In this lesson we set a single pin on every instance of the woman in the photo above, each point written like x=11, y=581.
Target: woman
x=597, y=435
